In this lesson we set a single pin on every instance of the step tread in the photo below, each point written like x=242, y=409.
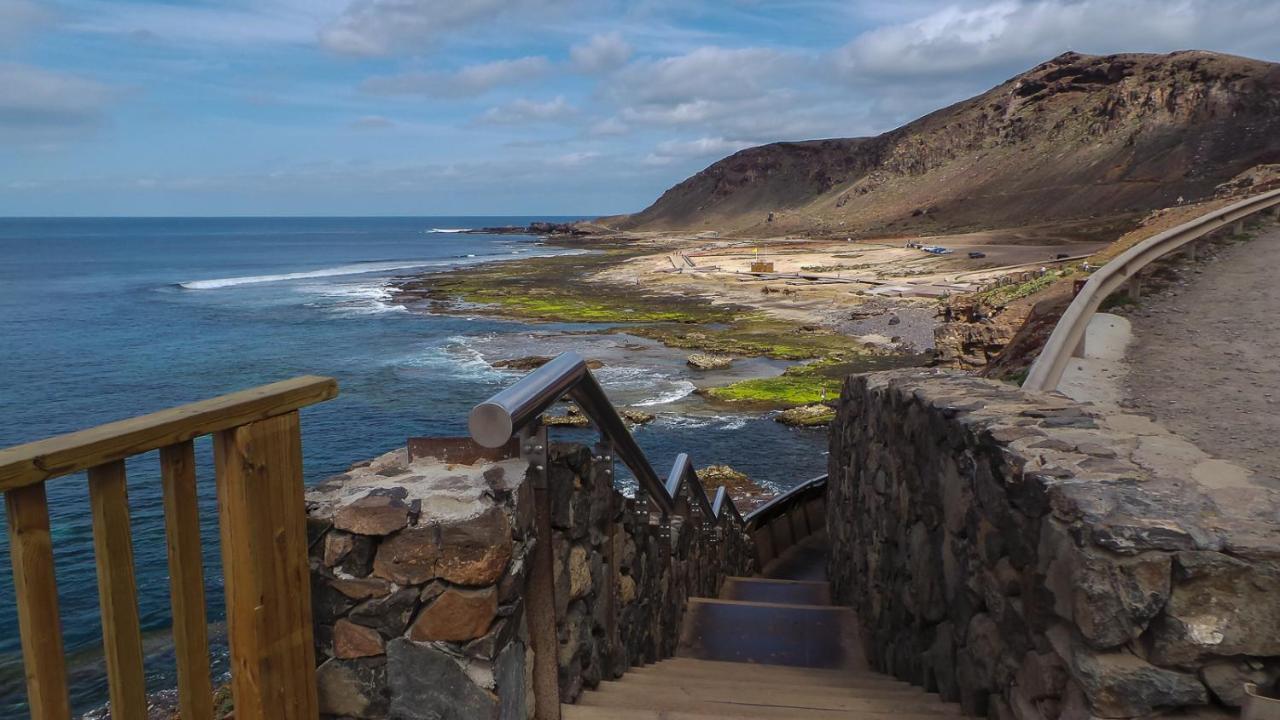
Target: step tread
x=774, y=581
x=774, y=605
x=768, y=590
x=820, y=684
x=746, y=701
x=686, y=665
x=760, y=693
x=586, y=712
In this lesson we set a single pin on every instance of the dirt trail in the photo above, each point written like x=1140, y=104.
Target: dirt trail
x=1205, y=360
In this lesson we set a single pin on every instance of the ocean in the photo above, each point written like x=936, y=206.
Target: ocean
x=107, y=318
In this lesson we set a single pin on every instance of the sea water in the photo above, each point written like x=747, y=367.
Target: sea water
x=107, y=318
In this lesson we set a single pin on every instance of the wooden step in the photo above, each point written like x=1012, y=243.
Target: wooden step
x=747, y=701
x=772, y=633
x=585, y=712
x=729, y=690
x=842, y=685
x=676, y=669
x=795, y=592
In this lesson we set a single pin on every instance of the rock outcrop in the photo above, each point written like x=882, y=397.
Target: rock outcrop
x=1074, y=138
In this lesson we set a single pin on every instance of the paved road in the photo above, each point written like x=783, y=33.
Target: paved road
x=1205, y=358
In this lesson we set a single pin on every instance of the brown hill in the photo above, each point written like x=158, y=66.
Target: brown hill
x=1074, y=138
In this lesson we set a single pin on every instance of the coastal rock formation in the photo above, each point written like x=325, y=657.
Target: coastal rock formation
x=747, y=493
x=703, y=361
x=533, y=362
x=1028, y=556
x=637, y=417
x=1076, y=137
x=807, y=416
x=573, y=417
x=428, y=619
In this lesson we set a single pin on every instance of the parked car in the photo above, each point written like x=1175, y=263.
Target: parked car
x=977, y=255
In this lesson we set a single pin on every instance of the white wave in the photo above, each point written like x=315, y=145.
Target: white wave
x=447, y=230
x=683, y=389
x=353, y=269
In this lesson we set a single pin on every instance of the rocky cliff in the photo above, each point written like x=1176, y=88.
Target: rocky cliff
x=1076, y=137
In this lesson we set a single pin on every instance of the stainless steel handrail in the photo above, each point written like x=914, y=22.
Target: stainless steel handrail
x=493, y=422
x=1047, y=370
x=771, y=508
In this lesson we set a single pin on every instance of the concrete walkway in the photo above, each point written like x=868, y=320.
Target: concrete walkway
x=1205, y=356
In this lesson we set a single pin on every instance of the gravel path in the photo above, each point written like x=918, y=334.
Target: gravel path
x=1205, y=360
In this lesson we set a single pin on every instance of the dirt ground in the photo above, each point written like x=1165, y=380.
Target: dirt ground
x=837, y=284
x=1205, y=360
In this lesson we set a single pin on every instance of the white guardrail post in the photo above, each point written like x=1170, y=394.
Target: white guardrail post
x=1068, y=336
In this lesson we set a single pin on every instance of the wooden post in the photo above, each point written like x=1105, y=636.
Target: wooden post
x=117, y=591
x=264, y=558
x=186, y=583
x=1238, y=228
x=541, y=609
x=36, y=595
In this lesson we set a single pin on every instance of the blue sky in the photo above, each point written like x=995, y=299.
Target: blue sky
x=455, y=107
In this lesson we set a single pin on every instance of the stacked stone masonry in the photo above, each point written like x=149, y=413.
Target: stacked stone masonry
x=1032, y=557
x=419, y=574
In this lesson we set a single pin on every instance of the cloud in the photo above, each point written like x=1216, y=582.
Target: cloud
x=701, y=147
x=371, y=122
x=524, y=111
x=18, y=18
x=706, y=73
x=608, y=127
x=1008, y=36
x=379, y=27
x=39, y=103
x=601, y=53
x=469, y=81
x=265, y=22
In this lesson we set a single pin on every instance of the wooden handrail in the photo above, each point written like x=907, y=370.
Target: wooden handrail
x=65, y=454
x=258, y=467
x=1068, y=335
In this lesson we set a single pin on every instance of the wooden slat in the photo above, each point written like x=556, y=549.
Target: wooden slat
x=117, y=593
x=36, y=595
x=264, y=550
x=186, y=580
x=73, y=452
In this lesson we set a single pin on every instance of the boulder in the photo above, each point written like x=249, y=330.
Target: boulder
x=457, y=615
x=1122, y=685
x=1219, y=606
x=807, y=416
x=573, y=417
x=703, y=361
x=745, y=492
x=638, y=417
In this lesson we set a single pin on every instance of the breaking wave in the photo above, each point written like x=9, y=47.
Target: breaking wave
x=353, y=269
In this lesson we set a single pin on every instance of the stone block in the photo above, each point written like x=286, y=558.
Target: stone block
x=427, y=683
x=457, y=615
x=353, y=688
x=373, y=514
x=352, y=641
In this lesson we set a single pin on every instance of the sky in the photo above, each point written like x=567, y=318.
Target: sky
x=500, y=107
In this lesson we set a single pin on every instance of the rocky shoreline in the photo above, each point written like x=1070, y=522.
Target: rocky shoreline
x=717, y=331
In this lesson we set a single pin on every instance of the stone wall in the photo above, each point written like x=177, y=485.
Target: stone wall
x=1033, y=557
x=419, y=573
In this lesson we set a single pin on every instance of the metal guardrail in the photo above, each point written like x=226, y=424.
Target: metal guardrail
x=1067, y=340
x=781, y=503
x=515, y=412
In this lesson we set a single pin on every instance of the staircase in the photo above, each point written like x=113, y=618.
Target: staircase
x=768, y=647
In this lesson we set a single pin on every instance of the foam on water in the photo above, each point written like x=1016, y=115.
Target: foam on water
x=352, y=269
x=683, y=389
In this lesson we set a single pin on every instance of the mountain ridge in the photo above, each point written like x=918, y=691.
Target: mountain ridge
x=1074, y=138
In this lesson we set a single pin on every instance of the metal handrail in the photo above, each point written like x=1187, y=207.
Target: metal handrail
x=777, y=503
x=1047, y=370
x=493, y=422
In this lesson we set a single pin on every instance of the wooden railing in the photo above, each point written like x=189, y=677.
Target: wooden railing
x=258, y=468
